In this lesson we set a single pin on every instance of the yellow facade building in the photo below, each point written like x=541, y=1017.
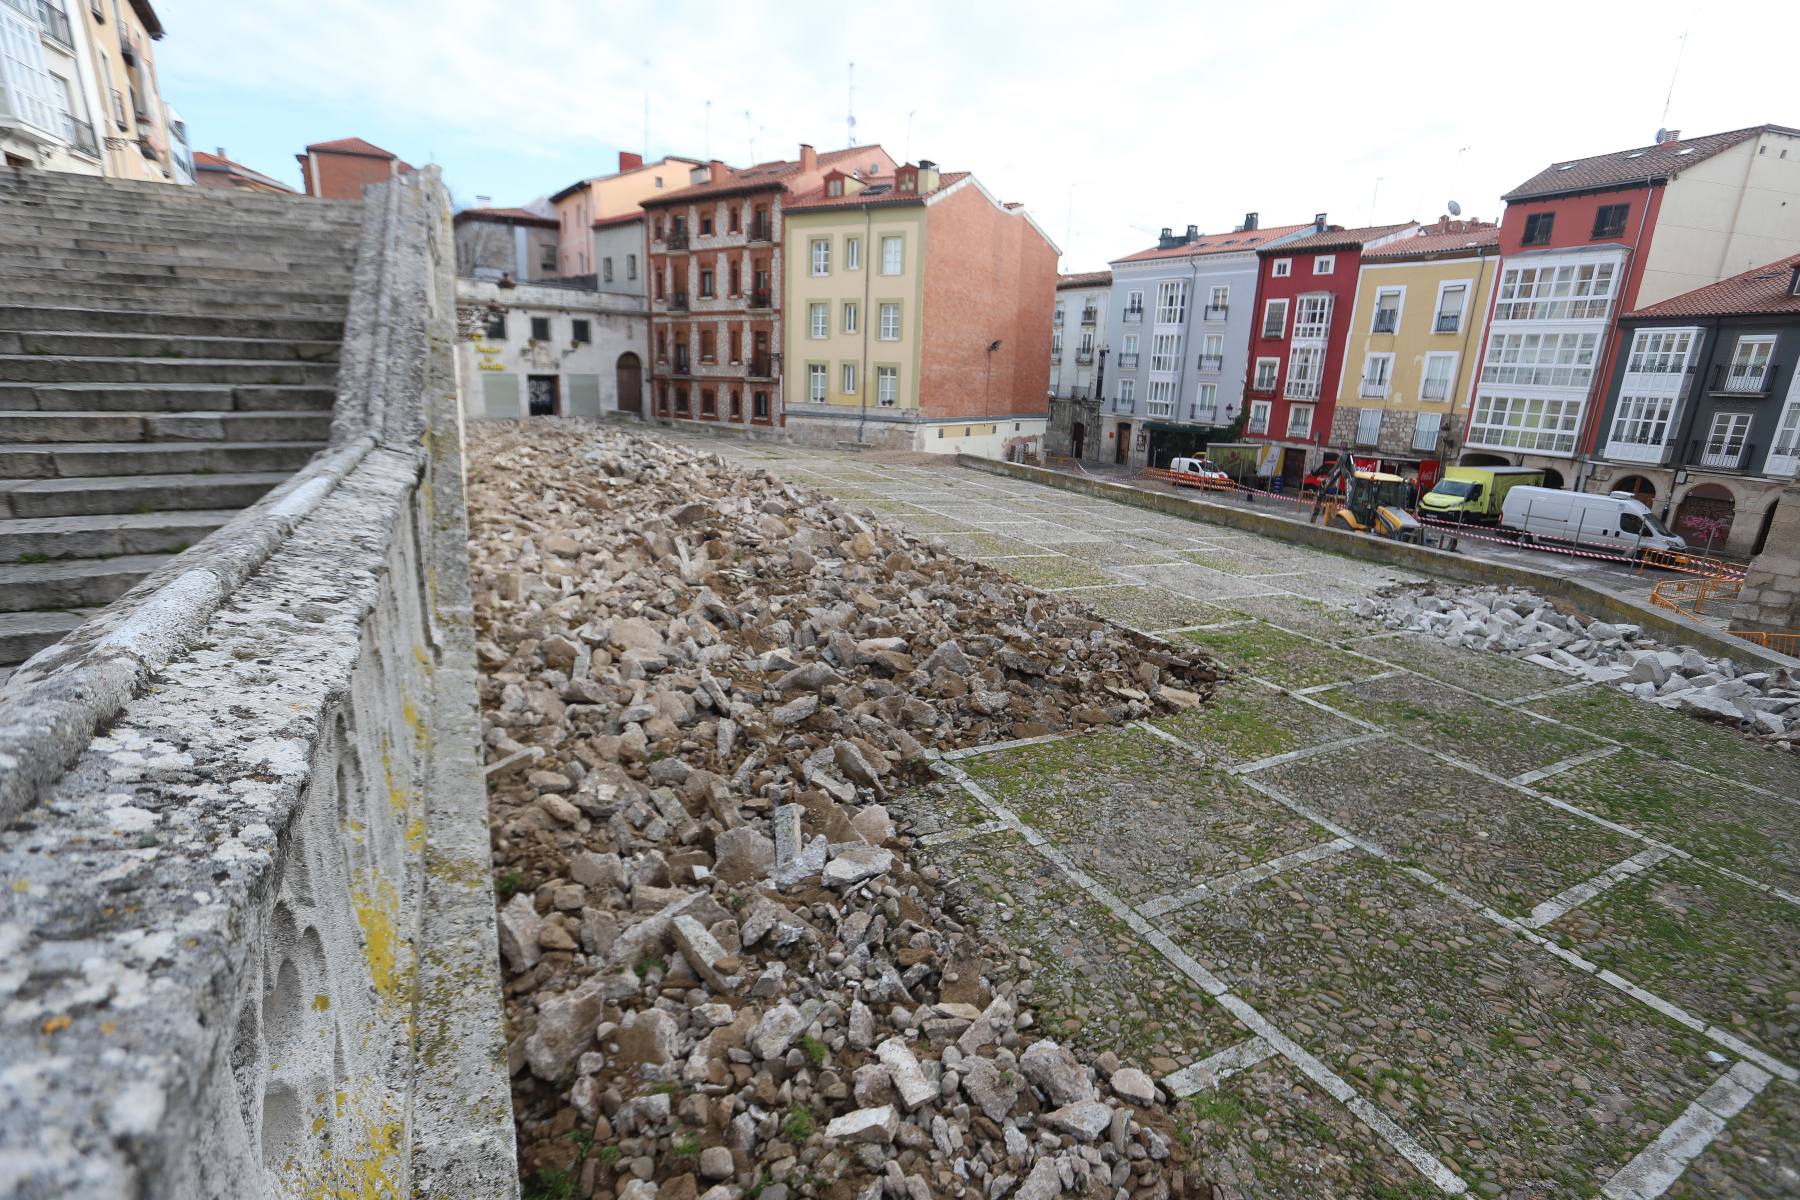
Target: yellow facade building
x=1414, y=346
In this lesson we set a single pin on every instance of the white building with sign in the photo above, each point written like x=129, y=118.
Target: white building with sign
x=539, y=349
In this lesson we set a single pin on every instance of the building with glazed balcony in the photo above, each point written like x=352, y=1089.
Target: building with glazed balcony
x=54, y=85
x=1701, y=415
x=1078, y=362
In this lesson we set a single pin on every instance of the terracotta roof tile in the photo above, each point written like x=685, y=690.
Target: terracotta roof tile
x=1469, y=241
x=1337, y=239
x=884, y=194
x=511, y=216
x=1764, y=289
x=1085, y=279
x=1216, y=243
x=761, y=175
x=621, y=219
x=1633, y=166
x=212, y=162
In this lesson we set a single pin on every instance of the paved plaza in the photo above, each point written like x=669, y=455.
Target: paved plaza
x=1395, y=919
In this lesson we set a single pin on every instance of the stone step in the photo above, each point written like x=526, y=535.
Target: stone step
x=88, y=426
x=21, y=188
x=78, y=583
x=165, y=397
x=129, y=274
x=133, y=493
x=60, y=260
x=23, y=634
x=44, y=539
x=81, y=460
x=16, y=368
x=33, y=317
x=186, y=302
x=62, y=343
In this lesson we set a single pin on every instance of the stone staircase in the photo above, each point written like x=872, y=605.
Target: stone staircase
x=167, y=355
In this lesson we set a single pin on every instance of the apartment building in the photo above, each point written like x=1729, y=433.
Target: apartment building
x=1702, y=410
x=55, y=86
x=920, y=314
x=550, y=350
x=340, y=169
x=1412, y=345
x=516, y=242
x=714, y=255
x=1305, y=289
x=618, y=255
x=1586, y=239
x=1078, y=363
x=218, y=171
x=1177, y=376
x=578, y=206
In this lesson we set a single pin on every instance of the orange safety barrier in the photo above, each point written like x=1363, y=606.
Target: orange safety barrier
x=1781, y=643
x=1691, y=596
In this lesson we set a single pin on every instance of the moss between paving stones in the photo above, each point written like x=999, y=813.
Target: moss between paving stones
x=1310, y=1146
x=1526, y=1077
x=985, y=545
x=1282, y=657
x=942, y=806
x=1491, y=841
x=1756, y=1157
x=1095, y=983
x=1718, y=948
x=929, y=525
x=1493, y=675
x=1142, y=819
x=1245, y=562
x=1149, y=609
x=1114, y=551
x=1664, y=734
x=1245, y=721
x=1503, y=740
x=1302, y=615
x=1054, y=572
x=1712, y=819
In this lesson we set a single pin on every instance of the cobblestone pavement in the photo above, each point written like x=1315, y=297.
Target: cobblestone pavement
x=1393, y=919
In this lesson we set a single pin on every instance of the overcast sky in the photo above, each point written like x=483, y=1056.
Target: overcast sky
x=1107, y=123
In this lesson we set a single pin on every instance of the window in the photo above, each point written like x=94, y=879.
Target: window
x=1749, y=370
x=1171, y=302
x=494, y=326
x=731, y=345
x=890, y=255
x=1128, y=351
x=23, y=75
x=1642, y=421
x=606, y=269
x=1660, y=351
x=1537, y=229
x=889, y=330
x=1564, y=293
x=1127, y=395
x=759, y=406
x=1266, y=370
x=706, y=226
x=1562, y=360
x=851, y=316
x=1055, y=345
x=1134, y=306
x=1387, y=310
x=1212, y=352
x=1281, y=268
x=581, y=332
x=706, y=283
x=547, y=256
x=1609, y=220
x=540, y=329
x=887, y=386
x=1306, y=371
x=1056, y=318
x=1324, y=264
x=631, y=266
x=819, y=320
x=1525, y=423
x=1300, y=421
x=1275, y=318
x=1218, y=304
x=1207, y=404
x=1259, y=417
x=1161, y=401
x=737, y=280
x=1368, y=426
x=1312, y=320
x=709, y=403
x=821, y=256
x=1425, y=433
x=1725, y=440
x=815, y=382
x=852, y=254
x=708, y=346
x=1440, y=371
x=1165, y=351
x=847, y=379
x=1452, y=298
x=732, y=226
x=1378, y=372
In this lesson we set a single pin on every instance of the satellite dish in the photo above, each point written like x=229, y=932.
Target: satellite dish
x=1455, y=209
x=1662, y=135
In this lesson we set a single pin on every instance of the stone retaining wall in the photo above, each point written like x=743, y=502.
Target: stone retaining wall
x=247, y=943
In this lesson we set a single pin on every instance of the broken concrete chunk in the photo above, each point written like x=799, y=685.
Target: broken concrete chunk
x=909, y=1078
x=874, y=1125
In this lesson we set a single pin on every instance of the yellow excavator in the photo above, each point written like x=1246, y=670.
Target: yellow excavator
x=1366, y=502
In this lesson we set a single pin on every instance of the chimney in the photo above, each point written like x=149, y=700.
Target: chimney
x=701, y=174
x=1193, y=234
x=629, y=161
x=1318, y=222
x=1250, y=220
x=717, y=169
x=809, y=158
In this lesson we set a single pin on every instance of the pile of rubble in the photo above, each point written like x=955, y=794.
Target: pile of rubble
x=725, y=978
x=1525, y=625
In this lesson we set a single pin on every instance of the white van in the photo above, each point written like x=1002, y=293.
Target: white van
x=1619, y=520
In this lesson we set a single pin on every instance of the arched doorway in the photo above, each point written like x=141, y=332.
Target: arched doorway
x=1638, y=486
x=1077, y=438
x=1704, y=516
x=1553, y=478
x=631, y=384
x=1485, y=460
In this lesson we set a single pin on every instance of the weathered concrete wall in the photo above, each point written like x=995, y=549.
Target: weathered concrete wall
x=247, y=946
x=1660, y=622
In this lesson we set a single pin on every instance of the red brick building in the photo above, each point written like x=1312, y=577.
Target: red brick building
x=714, y=250
x=339, y=170
x=1305, y=292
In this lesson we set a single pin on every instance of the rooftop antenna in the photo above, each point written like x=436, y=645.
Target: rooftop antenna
x=850, y=109
x=646, y=110
x=706, y=138
x=1670, y=98
x=1375, y=200
x=1069, y=220
x=908, y=151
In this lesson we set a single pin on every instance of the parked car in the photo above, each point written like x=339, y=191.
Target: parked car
x=1618, y=520
x=1200, y=473
x=1313, y=481
x=1476, y=493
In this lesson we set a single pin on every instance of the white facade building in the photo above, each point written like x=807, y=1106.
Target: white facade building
x=49, y=98
x=545, y=350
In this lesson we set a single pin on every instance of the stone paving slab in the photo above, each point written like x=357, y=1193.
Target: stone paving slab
x=1526, y=1077
x=1150, y=609
x=1711, y=818
x=1493, y=675
x=1757, y=1157
x=1493, y=842
x=1302, y=614
x=1249, y=560
x=1246, y=722
x=984, y=545
x=1062, y=572
x=1719, y=948
x=1114, y=551
x=1096, y=983
x=1281, y=657
x=1494, y=737
x=1141, y=822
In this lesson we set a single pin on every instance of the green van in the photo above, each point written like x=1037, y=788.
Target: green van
x=1476, y=493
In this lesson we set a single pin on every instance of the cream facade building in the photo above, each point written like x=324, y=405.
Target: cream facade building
x=51, y=112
